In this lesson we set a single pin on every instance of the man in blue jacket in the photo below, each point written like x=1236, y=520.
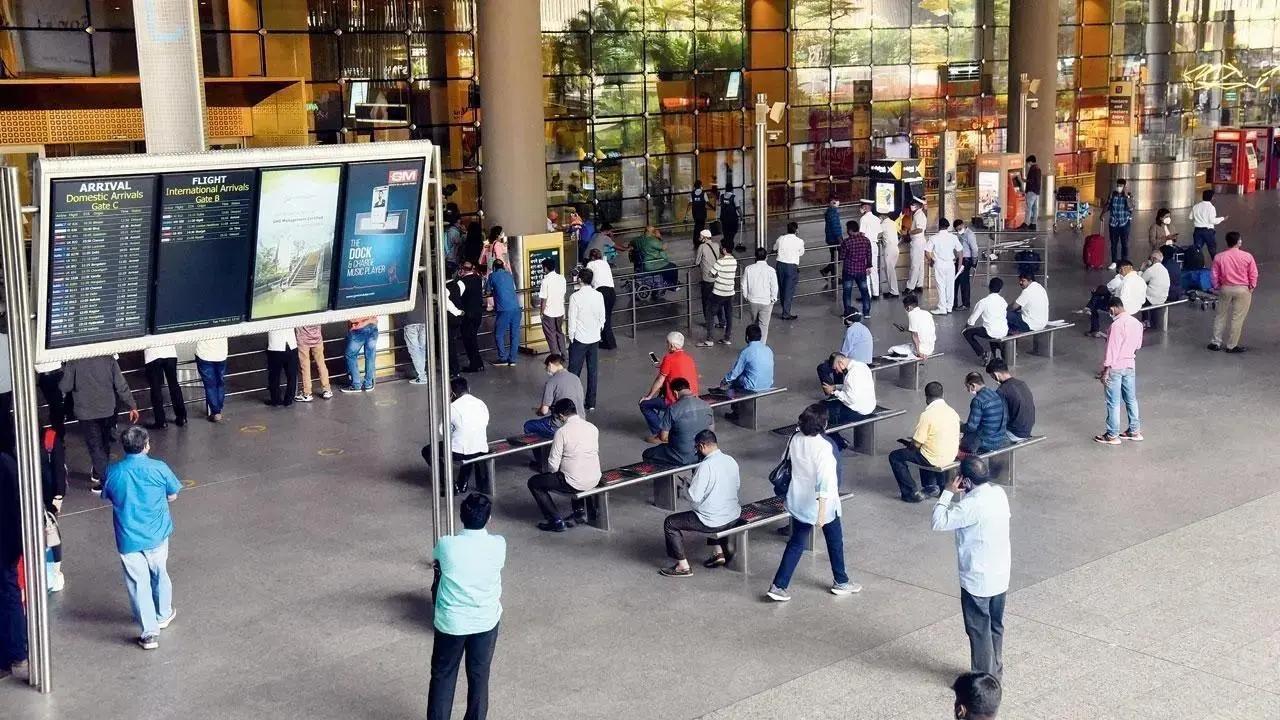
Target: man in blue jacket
x=834, y=230
x=984, y=431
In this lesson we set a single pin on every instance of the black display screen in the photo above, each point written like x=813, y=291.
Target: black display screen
x=101, y=231
x=204, y=254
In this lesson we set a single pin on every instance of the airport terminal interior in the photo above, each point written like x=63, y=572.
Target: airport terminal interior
x=1145, y=577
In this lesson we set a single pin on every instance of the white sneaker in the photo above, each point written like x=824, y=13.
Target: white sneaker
x=326, y=395
x=848, y=588
x=1112, y=266
x=300, y=397
x=57, y=581
x=169, y=620
x=419, y=381
x=938, y=311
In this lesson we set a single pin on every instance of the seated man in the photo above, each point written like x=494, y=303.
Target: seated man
x=574, y=466
x=1156, y=276
x=687, y=417
x=853, y=399
x=560, y=384
x=468, y=435
x=1031, y=310
x=753, y=370
x=857, y=343
x=713, y=493
x=675, y=364
x=923, y=331
x=984, y=431
x=1128, y=285
x=1019, y=406
x=988, y=321
x=935, y=443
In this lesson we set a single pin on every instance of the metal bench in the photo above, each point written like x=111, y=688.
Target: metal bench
x=758, y=514
x=908, y=368
x=663, y=478
x=726, y=398
x=502, y=448
x=864, y=430
x=1164, y=311
x=1041, y=341
x=1009, y=449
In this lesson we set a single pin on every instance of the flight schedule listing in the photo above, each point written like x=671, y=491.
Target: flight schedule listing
x=204, y=254
x=100, y=259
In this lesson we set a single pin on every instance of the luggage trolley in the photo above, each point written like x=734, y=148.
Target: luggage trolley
x=1069, y=208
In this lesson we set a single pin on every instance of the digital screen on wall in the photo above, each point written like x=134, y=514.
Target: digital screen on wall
x=988, y=192
x=293, y=245
x=204, y=254
x=99, y=264
x=379, y=233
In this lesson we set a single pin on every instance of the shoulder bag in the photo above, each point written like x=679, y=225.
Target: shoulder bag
x=780, y=476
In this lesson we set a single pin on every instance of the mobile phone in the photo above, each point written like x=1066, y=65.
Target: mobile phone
x=653, y=357
x=900, y=328
x=966, y=484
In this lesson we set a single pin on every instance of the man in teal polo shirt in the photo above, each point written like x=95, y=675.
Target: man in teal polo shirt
x=140, y=489
x=468, y=607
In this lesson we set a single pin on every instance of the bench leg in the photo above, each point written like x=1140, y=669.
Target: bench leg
x=1042, y=344
x=598, y=511
x=1012, y=468
x=1164, y=319
x=739, y=547
x=909, y=376
x=664, y=492
x=1009, y=350
x=492, y=466
x=864, y=439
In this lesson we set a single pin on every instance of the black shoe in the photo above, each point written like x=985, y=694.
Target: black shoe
x=1214, y=347
x=473, y=369
x=556, y=526
x=461, y=488
x=579, y=517
x=932, y=491
x=1237, y=349
x=157, y=425
x=180, y=422
x=270, y=403
x=915, y=497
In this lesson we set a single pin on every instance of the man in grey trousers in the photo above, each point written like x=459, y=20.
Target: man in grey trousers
x=97, y=388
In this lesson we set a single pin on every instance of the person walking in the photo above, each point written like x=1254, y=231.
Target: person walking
x=1119, y=212
x=1205, y=220
x=813, y=501
x=1031, y=188
x=415, y=341
x=211, y=363
x=471, y=291
x=977, y=512
x=602, y=281
x=722, y=292
x=705, y=257
x=1119, y=375
x=789, y=248
x=467, y=596
x=140, y=489
x=161, y=364
x=729, y=219
x=13, y=619
x=573, y=465
x=310, y=339
x=585, y=328
x=888, y=242
x=916, y=237
x=362, y=338
x=713, y=495
x=969, y=247
x=856, y=264
x=833, y=234
x=98, y=389
x=760, y=292
x=507, y=313
x=944, y=251
x=282, y=357
x=1235, y=274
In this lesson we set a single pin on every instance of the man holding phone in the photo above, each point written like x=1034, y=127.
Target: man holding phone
x=675, y=364
x=980, y=520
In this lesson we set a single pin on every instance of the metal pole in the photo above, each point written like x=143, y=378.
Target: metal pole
x=27, y=427
x=442, y=463
x=762, y=174
x=634, y=283
x=1022, y=114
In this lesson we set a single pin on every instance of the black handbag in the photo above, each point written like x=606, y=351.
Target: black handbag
x=780, y=476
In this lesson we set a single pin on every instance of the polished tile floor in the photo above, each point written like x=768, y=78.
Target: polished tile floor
x=1146, y=578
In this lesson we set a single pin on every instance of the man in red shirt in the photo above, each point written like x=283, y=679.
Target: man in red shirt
x=675, y=364
x=1235, y=275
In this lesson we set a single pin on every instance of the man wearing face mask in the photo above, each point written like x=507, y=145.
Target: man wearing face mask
x=1119, y=209
x=560, y=384
x=713, y=492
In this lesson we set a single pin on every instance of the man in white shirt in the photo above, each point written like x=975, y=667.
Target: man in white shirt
x=869, y=225
x=161, y=365
x=853, y=399
x=1128, y=285
x=551, y=294
x=211, y=363
x=980, y=519
x=923, y=332
x=282, y=356
x=602, y=280
x=760, y=291
x=1031, y=310
x=988, y=321
x=789, y=248
x=1204, y=216
x=586, y=326
x=1156, y=276
x=944, y=252
x=919, y=221
x=887, y=247
x=468, y=435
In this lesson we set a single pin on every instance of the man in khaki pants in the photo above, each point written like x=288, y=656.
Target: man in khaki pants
x=1235, y=275
x=311, y=345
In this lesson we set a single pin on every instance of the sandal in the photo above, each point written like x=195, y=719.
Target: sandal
x=715, y=561
x=675, y=572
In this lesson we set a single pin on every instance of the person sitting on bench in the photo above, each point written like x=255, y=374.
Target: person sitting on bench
x=989, y=320
x=675, y=364
x=1128, y=285
x=753, y=371
x=935, y=443
x=687, y=416
x=923, y=331
x=1030, y=312
x=853, y=399
x=1019, y=405
x=574, y=466
x=858, y=343
x=468, y=434
x=1156, y=276
x=713, y=493
x=560, y=384
x=984, y=431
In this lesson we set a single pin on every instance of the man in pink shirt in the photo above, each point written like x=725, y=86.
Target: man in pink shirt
x=1119, y=375
x=1235, y=275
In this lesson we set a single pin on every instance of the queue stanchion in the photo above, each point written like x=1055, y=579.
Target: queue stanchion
x=634, y=317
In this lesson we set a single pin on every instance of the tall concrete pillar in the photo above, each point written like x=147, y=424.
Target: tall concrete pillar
x=1033, y=49
x=513, y=153
x=168, y=36
x=1159, y=43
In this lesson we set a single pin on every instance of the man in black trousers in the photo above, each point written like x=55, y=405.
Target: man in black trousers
x=472, y=313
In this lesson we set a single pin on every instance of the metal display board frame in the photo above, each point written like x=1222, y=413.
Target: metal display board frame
x=49, y=170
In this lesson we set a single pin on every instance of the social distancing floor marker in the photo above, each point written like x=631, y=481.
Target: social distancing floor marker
x=330, y=452
x=386, y=403
x=253, y=428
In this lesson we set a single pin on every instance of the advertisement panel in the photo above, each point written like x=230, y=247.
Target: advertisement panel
x=293, y=248
x=379, y=233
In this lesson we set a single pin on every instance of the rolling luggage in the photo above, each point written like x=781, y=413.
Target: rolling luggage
x=1095, y=252
x=1028, y=262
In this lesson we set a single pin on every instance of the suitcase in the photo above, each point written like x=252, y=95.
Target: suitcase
x=1200, y=280
x=1095, y=252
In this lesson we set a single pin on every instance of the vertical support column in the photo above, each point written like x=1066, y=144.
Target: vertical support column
x=513, y=166
x=1159, y=43
x=762, y=172
x=438, y=359
x=1030, y=23
x=169, y=65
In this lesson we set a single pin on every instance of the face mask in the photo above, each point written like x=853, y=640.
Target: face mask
x=1167, y=221
x=1119, y=188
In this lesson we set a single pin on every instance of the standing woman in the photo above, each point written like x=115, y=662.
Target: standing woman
x=813, y=498
x=495, y=248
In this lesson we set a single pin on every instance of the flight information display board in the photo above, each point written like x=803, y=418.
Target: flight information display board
x=99, y=266
x=204, y=254
x=379, y=233
x=293, y=249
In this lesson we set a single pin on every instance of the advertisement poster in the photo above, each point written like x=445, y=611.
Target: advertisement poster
x=293, y=252
x=379, y=233
x=1224, y=163
x=884, y=198
x=988, y=193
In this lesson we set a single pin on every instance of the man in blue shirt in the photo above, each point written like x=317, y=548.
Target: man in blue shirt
x=507, y=315
x=857, y=339
x=753, y=371
x=468, y=606
x=140, y=489
x=714, y=496
x=985, y=430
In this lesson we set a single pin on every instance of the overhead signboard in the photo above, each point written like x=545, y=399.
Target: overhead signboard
x=380, y=217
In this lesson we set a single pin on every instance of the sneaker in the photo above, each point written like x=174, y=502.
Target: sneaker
x=1214, y=347
x=938, y=311
x=216, y=417
x=351, y=389
x=675, y=572
x=705, y=343
x=1112, y=266
x=57, y=581
x=419, y=381
x=556, y=526
x=149, y=642
x=95, y=485
x=302, y=398
x=777, y=594
x=165, y=623
x=1131, y=435
x=846, y=588
x=326, y=394
x=726, y=342
x=1106, y=439
x=1237, y=349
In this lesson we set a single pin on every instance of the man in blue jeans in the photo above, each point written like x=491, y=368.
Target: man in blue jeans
x=507, y=312
x=13, y=621
x=140, y=489
x=362, y=336
x=211, y=362
x=856, y=262
x=1118, y=375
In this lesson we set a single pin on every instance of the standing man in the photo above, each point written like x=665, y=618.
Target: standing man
x=468, y=607
x=1031, y=310
x=97, y=389
x=1204, y=216
x=468, y=434
x=789, y=248
x=1019, y=405
x=1119, y=208
x=676, y=364
x=586, y=326
x=1031, y=191
x=713, y=493
x=919, y=221
x=211, y=363
x=729, y=219
x=574, y=466
x=698, y=207
x=760, y=291
x=705, y=257
x=453, y=289
x=551, y=294
x=722, y=291
x=415, y=343
x=969, y=247
x=888, y=242
x=855, y=257
x=833, y=233
x=162, y=367
x=687, y=416
x=944, y=252
x=869, y=225
x=1119, y=375
x=472, y=296
x=988, y=321
x=1235, y=274
x=977, y=511
x=13, y=620
x=282, y=357
x=362, y=339
x=935, y=443
x=140, y=489
x=507, y=314
x=310, y=339
x=602, y=281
